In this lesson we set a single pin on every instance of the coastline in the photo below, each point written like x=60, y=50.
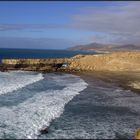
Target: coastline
x=122, y=68
x=127, y=80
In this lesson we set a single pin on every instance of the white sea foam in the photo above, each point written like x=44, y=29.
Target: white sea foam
x=26, y=119
x=10, y=81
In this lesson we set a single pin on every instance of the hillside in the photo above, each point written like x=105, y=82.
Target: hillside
x=97, y=47
x=117, y=61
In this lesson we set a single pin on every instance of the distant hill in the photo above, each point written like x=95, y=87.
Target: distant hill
x=97, y=47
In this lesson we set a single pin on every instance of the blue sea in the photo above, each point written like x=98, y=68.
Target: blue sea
x=36, y=53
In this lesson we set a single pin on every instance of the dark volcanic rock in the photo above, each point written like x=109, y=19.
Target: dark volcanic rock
x=44, y=131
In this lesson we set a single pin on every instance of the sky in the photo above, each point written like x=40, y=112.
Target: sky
x=59, y=24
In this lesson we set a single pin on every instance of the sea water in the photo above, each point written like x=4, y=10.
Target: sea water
x=38, y=53
x=29, y=101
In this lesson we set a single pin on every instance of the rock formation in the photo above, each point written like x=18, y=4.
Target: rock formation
x=137, y=134
x=117, y=61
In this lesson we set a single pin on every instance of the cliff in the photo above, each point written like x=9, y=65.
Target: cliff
x=117, y=61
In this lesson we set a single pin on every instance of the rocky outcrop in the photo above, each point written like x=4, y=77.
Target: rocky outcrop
x=44, y=131
x=118, y=61
x=47, y=65
x=137, y=134
x=34, y=61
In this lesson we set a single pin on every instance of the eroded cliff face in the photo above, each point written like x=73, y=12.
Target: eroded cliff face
x=119, y=61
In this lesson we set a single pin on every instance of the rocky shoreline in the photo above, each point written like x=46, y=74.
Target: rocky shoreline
x=122, y=67
x=41, y=65
x=117, y=61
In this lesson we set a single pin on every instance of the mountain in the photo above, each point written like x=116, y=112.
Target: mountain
x=97, y=47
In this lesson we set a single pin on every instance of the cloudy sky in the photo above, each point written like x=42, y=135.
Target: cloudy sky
x=58, y=25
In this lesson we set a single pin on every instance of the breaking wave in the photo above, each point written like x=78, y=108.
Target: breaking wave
x=27, y=118
x=10, y=81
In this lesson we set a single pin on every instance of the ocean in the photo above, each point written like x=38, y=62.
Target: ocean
x=69, y=106
x=36, y=53
x=29, y=101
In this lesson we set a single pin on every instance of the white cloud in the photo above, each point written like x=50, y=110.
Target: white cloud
x=114, y=19
x=121, y=21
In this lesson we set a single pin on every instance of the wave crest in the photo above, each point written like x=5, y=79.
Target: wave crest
x=11, y=81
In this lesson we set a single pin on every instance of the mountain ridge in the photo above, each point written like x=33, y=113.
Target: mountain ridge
x=105, y=47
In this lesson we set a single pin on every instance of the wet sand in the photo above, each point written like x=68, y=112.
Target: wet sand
x=106, y=109
x=126, y=80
